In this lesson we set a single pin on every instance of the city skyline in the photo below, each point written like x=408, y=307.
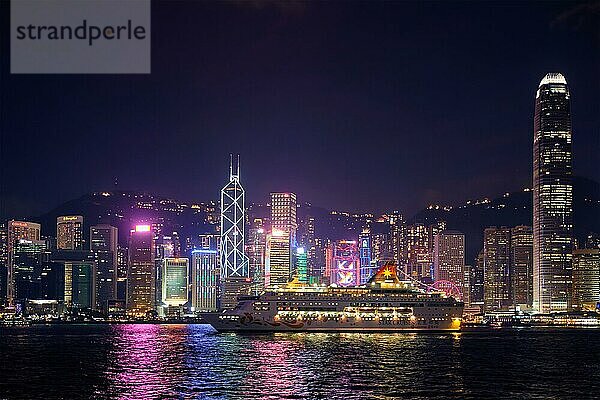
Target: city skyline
x=440, y=134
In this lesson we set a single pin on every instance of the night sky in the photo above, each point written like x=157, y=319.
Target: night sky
x=354, y=106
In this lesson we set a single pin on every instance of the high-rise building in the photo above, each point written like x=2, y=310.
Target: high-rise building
x=521, y=265
x=205, y=279
x=398, y=239
x=419, y=256
x=141, y=279
x=449, y=257
x=283, y=213
x=301, y=265
x=367, y=267
x=343, y=263
x=103, y=244
x=175, y=272
x=552, y=196
x=476, y=281
x=256, y=250
x=17, y=230
x=122, y=267
x=69, y=232
x=235, y=269
x=497, y=271
x=278, y=258
x=79, y=269
x=28, y=258
x=3, y=262
x=586, y=279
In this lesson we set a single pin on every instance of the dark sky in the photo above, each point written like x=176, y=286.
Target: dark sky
x=355, y=106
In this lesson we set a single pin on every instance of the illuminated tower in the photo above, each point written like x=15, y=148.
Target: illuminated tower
x=552, y=196
x=277, y=258
x=17, y=230
x=103, y=243
x=174, y=286
x=141, y=274
x=235, y=271
x=521, y=265
x=69, y=232
x=586, y=278
x=497, y=293
x=449, y=257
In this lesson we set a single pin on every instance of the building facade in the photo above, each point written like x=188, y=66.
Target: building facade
x=521, y=263
x=586, y=279
x=496, y=269
x=69, y=232
x=103, y=244
x=449, y=257
x=141, y=272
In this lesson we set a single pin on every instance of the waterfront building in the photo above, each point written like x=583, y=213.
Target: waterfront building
x=476, y=281
x=419, y=254
x=256, y=250
x=141, y=273
x=343, y=263
x=449, y=257
x=122, y=267
x=174, y=286
x=78, y=270
x=103, y=244
x=69, y=232
x=16, y=231
x=497, y=271
x=586, y=279
x=235, y=270
x=367, y=267
x=301, y=265
x=283, y=214
x=521, y=265
x=28, y=258
x=278, y=258
x=205, y=279
x=3, y=262
x=552, y=196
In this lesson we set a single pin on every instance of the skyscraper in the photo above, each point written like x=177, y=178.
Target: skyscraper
x=343, y=263
x=235, y=271
x=552, y=195
x=205, y=279
x=496, y=265
x=521, y=265
x=278, y=258
x=175, y=272
x=283, y=213
x=586, y=278
x=17, y=230
x=256, y=251
x=69, y=232
x=141, y=279
x=367, y=268
x=449, y=257
x=103, y=244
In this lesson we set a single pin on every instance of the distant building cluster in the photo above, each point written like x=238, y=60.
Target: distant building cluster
x=156, y=269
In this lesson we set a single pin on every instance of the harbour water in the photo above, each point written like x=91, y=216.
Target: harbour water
x=193, y=361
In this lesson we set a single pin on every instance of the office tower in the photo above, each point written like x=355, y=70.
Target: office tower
x=205, y=280
x=69, y=232
x=28, y=257
x=449, y=257
x=418, y=255
x=256, y=250
x=552, y=196
x=317, y=269
x=521, y=265
x=103, y=244
x=467, y=285
x=398, y=232
x=17, y=230
x=367, y=268
x=343, y=263
x=496, y=266
x=283, y=213
x=122, y=267
x=235, y=270
x=3, y=262
x=586, y=279
x=476, y=281
x=79, y=270
x=175, y=273
x=141, y=279
x=278, y=258
x=301, y=265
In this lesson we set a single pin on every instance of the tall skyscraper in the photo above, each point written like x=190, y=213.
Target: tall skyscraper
x=301, y=265
x=28, y=257
x=256, y=250
x=235, y=269
x=17, y=230
x=175, y=273
x=205, y=279
x=79, y=269
x=367, y=268
x=103, y=244
x=283, y=213
x=278, y=258
x=449, y=257
x=521, y=265
x=586, y=279
x=552, y=196
x=496, y=266
x=343, y=263
x=141, y=279
x=69, y=232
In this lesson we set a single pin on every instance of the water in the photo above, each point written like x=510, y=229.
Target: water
x=192, y=361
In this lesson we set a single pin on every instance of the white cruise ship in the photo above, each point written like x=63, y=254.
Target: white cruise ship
x=384, y=304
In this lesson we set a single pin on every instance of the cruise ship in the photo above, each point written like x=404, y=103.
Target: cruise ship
x=384, y=304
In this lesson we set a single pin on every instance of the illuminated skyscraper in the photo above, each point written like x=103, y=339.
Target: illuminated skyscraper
x=235, y=271
x=103, y=244
x=496, y=265
x=17, y=230
x=283, y=213
x=205, y=279
x=69, y=232
x=301, y=265
x=367, y=267
x=343, y=263
x=175, y=272
x=552, y=196
x=141, y=279
x=278, y=258
x=449, y=257
x=586, y=278
x=28, y=257
x=521, y=265
x=256, y=251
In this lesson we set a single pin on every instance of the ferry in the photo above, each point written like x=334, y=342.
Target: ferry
x=384, y=304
